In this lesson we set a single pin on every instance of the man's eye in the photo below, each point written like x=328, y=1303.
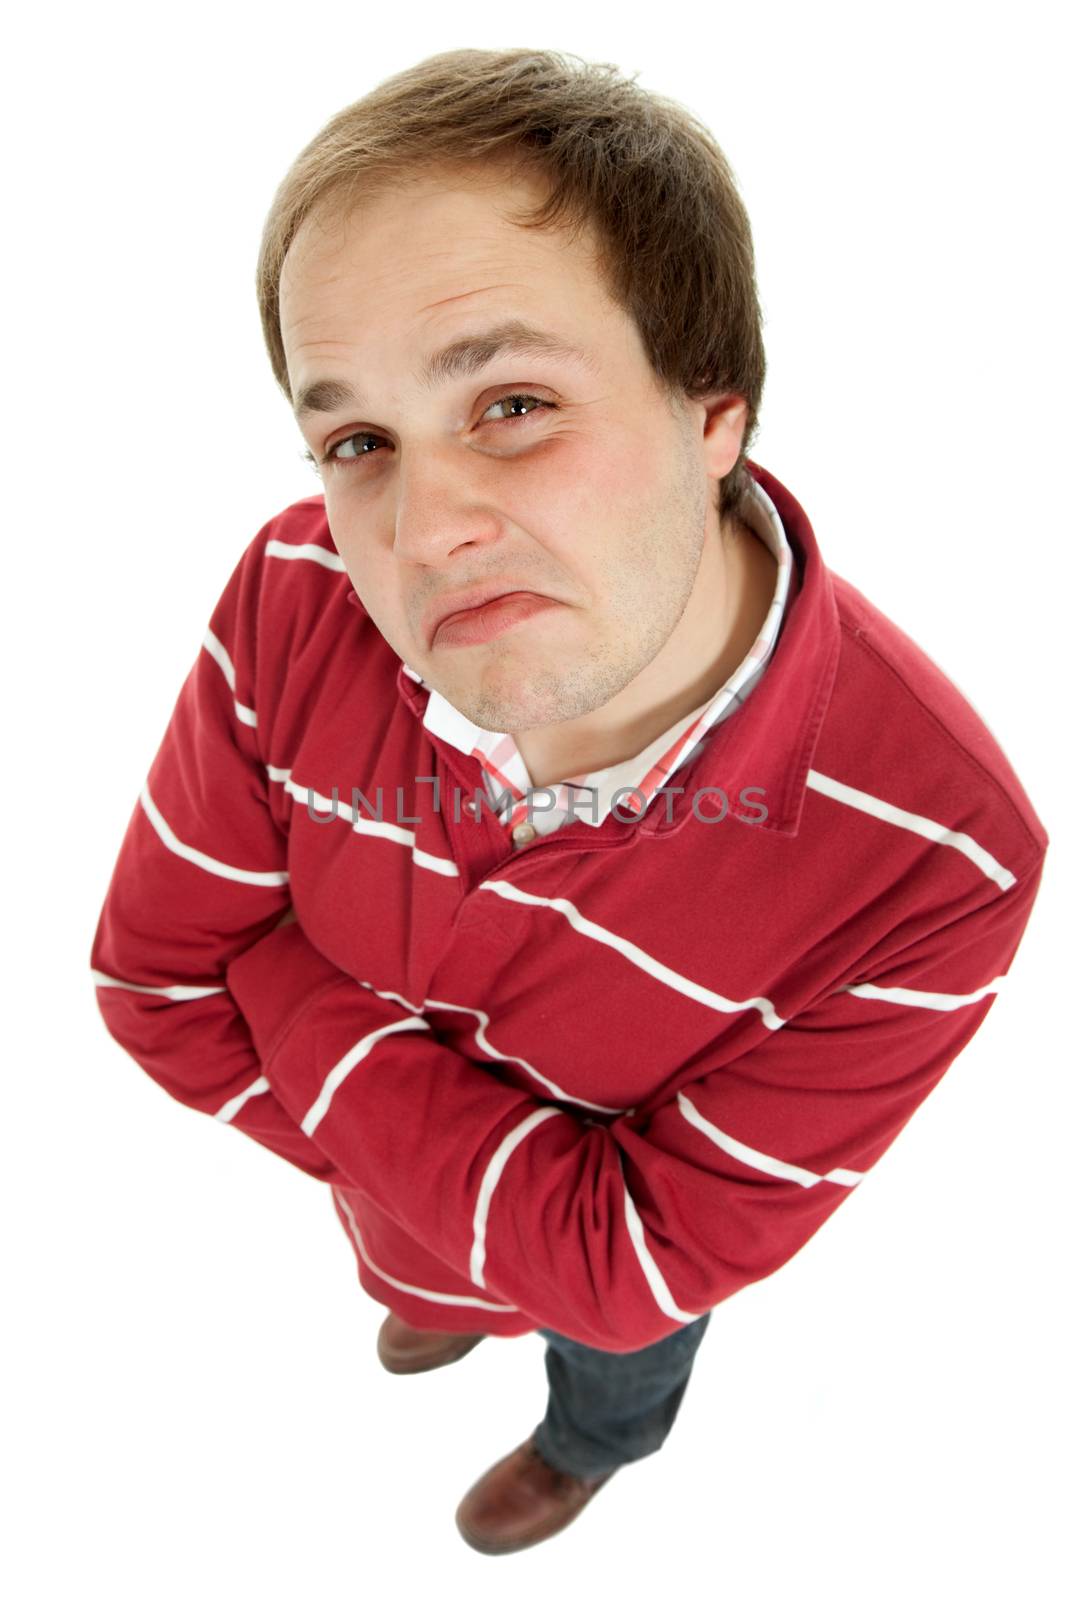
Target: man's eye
x=523, y=398
x=341, y=451
x=354, y=446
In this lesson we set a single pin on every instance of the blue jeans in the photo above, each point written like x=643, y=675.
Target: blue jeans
x=606, y=1409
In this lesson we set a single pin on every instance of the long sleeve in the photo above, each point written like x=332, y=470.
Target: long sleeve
x=201, y=875
x=617, y=1235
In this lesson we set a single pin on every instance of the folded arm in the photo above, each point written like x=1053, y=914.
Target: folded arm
x=619, y=1235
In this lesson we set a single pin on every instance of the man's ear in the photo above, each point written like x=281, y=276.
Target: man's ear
x=724, y=428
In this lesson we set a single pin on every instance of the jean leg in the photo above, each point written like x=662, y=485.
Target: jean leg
x=605, y=1408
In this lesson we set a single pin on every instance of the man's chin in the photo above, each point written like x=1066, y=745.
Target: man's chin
x=505, y=710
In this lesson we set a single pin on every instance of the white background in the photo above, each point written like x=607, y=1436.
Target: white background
x=193, y=1403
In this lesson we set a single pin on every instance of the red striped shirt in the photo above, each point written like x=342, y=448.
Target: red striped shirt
x=601, y=1083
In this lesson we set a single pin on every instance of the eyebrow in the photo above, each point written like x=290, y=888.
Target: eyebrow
x=462, y=358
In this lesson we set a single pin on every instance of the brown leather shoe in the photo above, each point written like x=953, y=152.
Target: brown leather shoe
x=402, y=1348
x=522, y=1500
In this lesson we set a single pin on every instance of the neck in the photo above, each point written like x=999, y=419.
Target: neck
x=725, y=611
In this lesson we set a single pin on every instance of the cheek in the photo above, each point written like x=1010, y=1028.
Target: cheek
x=572, y=487
x=368, y=573
x=351, y=529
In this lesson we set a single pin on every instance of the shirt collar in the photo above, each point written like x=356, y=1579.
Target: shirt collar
x=739, y=740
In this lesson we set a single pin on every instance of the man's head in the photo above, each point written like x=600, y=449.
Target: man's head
x=591, y=477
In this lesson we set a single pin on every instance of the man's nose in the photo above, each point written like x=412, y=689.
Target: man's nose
x=443, y=501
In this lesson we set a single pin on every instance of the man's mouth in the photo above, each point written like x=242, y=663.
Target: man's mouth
x=478, y=624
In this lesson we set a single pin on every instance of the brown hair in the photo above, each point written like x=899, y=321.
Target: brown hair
x=672, y=236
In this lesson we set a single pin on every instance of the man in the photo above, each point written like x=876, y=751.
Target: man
x=638, y=878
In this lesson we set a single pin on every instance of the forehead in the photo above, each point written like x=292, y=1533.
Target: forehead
x=475, y=200
x=421, y=247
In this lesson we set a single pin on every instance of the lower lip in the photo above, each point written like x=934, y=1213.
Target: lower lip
x=485, y=622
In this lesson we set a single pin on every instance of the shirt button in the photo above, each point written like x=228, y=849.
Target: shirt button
x=470, y=807
x=523, y=833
